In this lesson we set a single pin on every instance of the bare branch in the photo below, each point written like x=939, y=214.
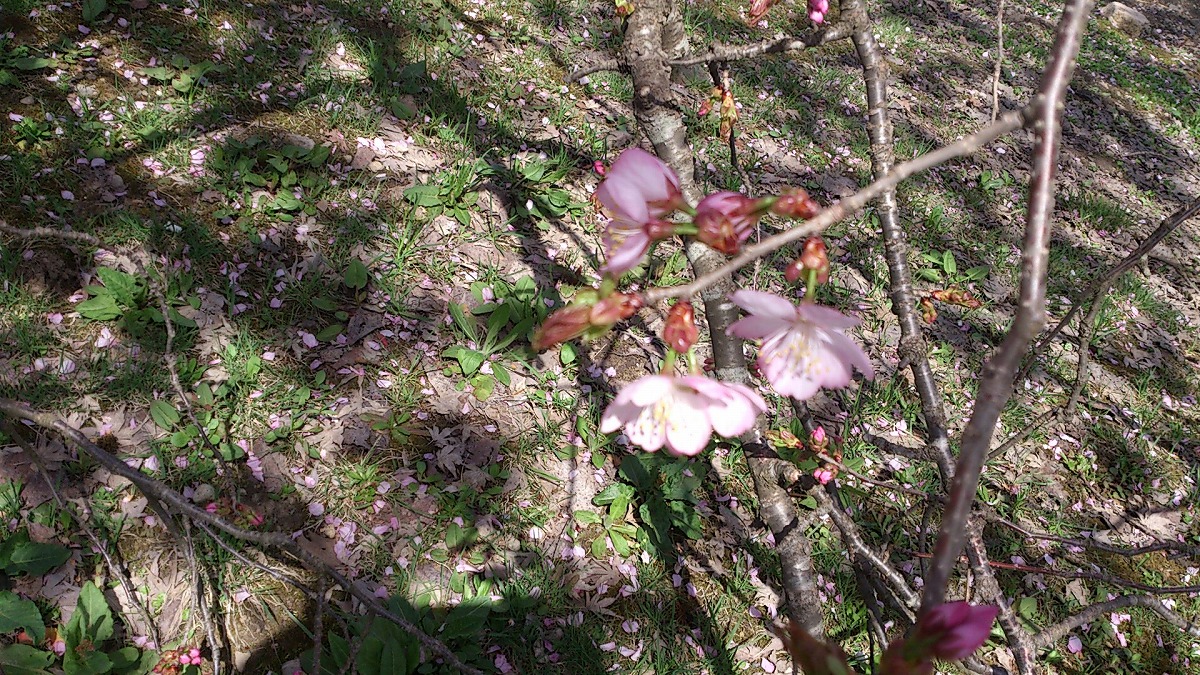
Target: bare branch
x=995, y=386
x=999, y=60
x=49, y=233
x=603, y=66
x=1049, y=636
x=854, y=541
x=841, y=210
x=157, y=490
x=787, y=45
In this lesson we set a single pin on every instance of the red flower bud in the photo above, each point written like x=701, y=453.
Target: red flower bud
x=813, y=257
x=795, y=203
x=680, y=333
x=614, y=308
x=724, y=220
x=565, y=324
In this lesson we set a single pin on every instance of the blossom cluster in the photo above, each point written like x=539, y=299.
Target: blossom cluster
x=804, y=347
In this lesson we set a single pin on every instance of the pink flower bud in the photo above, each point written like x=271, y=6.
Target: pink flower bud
x=814, y=258
x=796, y=203
x=614, y=308
x=955, y=630
x=823, y=476
x=565, y=324
x=680, y=333
x=724, y=220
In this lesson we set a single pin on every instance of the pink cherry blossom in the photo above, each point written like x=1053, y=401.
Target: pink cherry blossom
x=638, y=189
x=804, y=347
x=681, y=412
x=957, y=629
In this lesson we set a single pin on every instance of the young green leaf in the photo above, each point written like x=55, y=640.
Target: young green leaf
x=356, y=275
x=164, y=414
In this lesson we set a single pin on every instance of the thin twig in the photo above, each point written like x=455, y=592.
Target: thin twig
x=212, y=635
x=787, y=45
x=156, y=489
x=841, y=210
x=1101, y=285
x=999, y=60
x=1124, y=551
x=603, y=66
x=50, y=233
x=12, y=431
x=854, y=541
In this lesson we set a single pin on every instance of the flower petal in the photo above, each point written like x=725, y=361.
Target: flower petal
x=764, y=304
x=757, y=327
x=825, y=317
x=688, y=426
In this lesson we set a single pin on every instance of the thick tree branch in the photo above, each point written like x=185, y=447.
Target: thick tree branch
x=649, y=36
x=995, y=386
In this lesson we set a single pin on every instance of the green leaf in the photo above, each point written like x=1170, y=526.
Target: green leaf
x=612, y=493
x=977, y=273
x=460, y=537
x=567, y=354
x=356, y=275
x=32, y=63
x=92, y=620
x=204, y=394
x=424, y=195
x=183, y=82
x=483, y=386
x=330, y=332
x=161, y=73
x=599, y=547
x=318, y=155
x=324, y=304
x=99, y=308
x=16, y=612
x=36, y=558
x=92, y=9
x=588, y=517
x=132, y=661
x=124, y=287
x=948, y=263
x=164, y=414
x=24, y=660
x=929, y=274
x=501, y=374
x=634, y=471
x=470, y=360
x=464, y=324
x=620, y=543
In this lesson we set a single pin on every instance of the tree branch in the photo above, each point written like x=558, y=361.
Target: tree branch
x=995, y=385
x=157, y=490
x=1049, y=636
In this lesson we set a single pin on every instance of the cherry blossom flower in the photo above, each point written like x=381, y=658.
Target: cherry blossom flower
x=956, y=629
x=681, y=412
x=804, y=347
x=638, y=190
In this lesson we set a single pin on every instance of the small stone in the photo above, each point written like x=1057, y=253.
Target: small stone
x=204, y=493
x=1125, y=18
